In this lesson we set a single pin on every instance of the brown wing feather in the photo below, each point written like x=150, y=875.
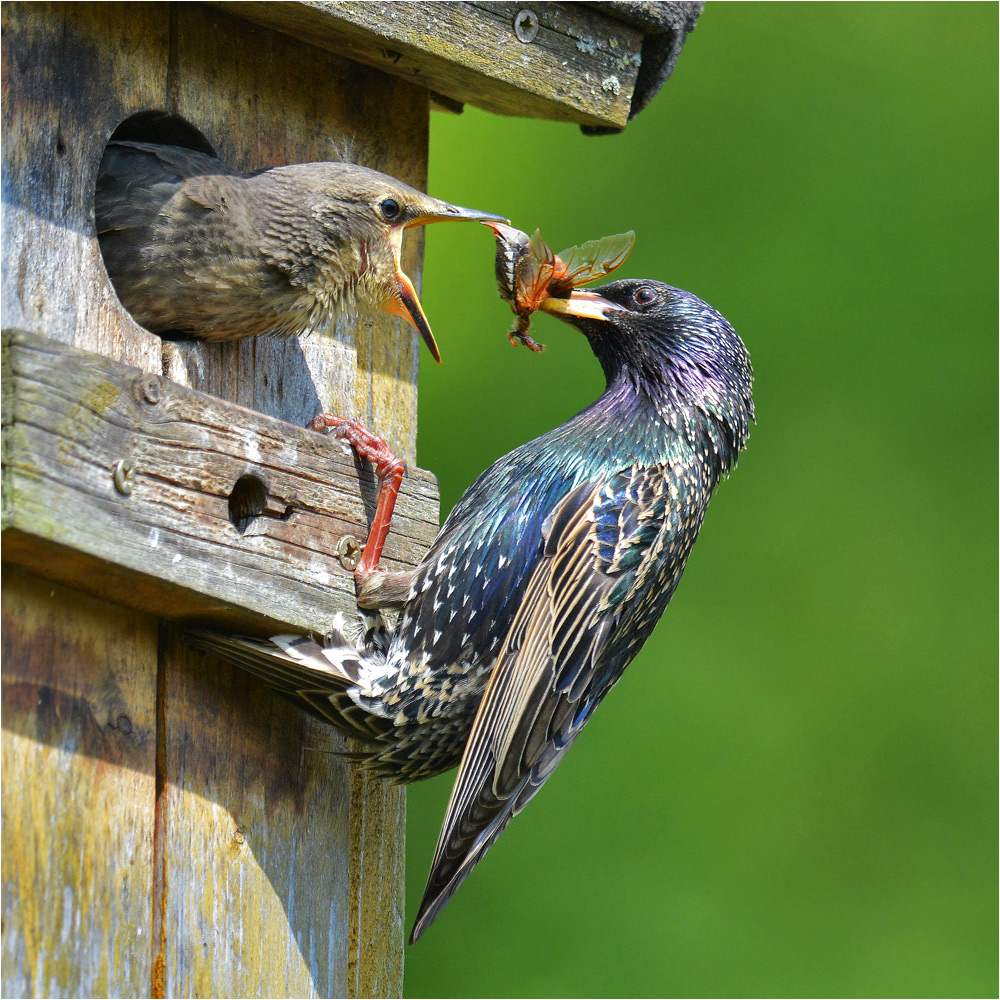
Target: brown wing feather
x=136, y=179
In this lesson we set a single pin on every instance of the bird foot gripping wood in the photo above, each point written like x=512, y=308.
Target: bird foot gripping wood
x=389, y=469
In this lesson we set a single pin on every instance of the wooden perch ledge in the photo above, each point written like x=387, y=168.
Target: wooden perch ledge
x=175, y=502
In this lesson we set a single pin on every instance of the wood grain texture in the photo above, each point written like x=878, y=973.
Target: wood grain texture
x=79, y=675
x=377, y=905
x=252, y=860
x=296, y=103
x=79, y=740
x=170, y=546
x=71, y=73
x=580, y=66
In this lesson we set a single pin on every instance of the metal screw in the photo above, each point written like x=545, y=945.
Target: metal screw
x=526, y=25
x=149, y=388
x=123, y=476
x=349, y=552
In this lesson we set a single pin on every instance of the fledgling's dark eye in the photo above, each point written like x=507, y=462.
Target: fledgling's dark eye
x=390, y=209
x=644, y=295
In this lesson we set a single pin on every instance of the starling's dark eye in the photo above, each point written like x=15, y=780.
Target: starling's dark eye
x=644, y=295
x=390, y=209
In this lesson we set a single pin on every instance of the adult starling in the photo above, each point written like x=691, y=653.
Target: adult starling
x=545, y=580
x=194, y=247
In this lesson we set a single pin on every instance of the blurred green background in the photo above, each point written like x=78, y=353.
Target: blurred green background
x=792, y=790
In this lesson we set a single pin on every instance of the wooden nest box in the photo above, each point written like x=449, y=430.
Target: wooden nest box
x=170, y=827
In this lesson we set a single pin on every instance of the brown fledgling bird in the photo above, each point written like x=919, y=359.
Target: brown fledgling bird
x=193, y=247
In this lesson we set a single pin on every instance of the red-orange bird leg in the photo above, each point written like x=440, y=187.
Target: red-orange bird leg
x=389, y=469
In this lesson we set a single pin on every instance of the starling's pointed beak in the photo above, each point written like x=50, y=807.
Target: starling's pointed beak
x=586, y=305
x=408, y=307
x=435, y=210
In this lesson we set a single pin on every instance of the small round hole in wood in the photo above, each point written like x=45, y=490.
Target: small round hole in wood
x=247, y=501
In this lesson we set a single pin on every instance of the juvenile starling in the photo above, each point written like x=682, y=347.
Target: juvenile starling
x=193, y=247
x=545, y=580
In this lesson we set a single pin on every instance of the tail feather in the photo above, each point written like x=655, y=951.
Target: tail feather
x=316, y=678
x=454, y=861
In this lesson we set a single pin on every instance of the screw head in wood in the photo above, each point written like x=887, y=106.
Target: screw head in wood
x=122, y=471
x=149, y=389
x=349, y=552
x=526, y=25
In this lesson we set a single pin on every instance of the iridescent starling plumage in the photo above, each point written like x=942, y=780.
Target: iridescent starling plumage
x=547, y=577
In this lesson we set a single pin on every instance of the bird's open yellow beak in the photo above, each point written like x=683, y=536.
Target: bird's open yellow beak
x=408, y=304
x=587, y=305
x=408, y=307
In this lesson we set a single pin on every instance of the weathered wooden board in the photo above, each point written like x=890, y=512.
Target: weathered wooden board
x=560, y=61
x=71, y=74
x=79, y=759
x=79, y=675
x=377, y=905
x=170, y=545
x=250, y=859
x=261, y=98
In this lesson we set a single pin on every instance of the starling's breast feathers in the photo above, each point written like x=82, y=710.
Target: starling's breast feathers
x=473, y=578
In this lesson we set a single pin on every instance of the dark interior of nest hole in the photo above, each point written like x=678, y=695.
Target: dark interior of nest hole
x=247, y=501
x=164, y=129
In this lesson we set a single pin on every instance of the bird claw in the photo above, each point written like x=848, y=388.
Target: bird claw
x=389, y=469
x=329, y=422
x=334, y=426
